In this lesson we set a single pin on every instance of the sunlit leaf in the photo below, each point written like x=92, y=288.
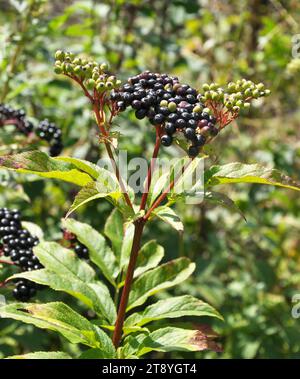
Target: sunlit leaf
x=158, y=279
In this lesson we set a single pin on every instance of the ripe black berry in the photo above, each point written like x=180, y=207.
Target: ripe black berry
x=193, y=151
x=166, y=140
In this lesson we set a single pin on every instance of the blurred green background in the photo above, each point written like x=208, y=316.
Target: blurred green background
x=249, y=271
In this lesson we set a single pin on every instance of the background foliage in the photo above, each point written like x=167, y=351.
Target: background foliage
x=249, y=271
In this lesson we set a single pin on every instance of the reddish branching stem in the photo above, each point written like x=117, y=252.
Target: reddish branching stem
x=165, y=193
x=118, y=331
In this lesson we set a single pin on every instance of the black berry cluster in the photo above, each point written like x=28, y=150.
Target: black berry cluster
x=46, y=130
x=8, y=114
x=17, y=243
x=80, y=249
x=166, y=102
x=49, y=132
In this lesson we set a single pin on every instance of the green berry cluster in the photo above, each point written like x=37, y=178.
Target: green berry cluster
x=92, y=74
x=235, y=96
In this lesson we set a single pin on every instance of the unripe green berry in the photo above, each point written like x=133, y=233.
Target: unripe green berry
x=163, y=103
x=215, y=96
x=78, y=69
x=109, y=85
x=104, y=66
x=231, y=87
x=246, y=105
x=95, y=76
x=172, y=106
x=260, y=86
x=248, y=92
x=91, y=83
x=208, y=95
x=118, y=83
x=112, y=79
x=207, y=110
x=205, y=87
x=76, y=61
x=100, y=86
x=59, y=55
x=267, y=92
x=256, y=93
x=69, y=68
x=58, y=69
x=239, y=103
x=197, y=109
x=236, y=108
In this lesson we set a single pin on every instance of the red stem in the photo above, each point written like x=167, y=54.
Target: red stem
x=111, y=156
x=6, y=262
x=165, y=193
x=139, y=226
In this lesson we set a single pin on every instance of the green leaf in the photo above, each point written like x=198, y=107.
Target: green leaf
x=63, y=261
x=94, y=295
x=95, y=354
x=64, y=271
x=171, y=339
x=85, y=195
x=39, y=163
x=62, y=319
x=100, y=253
x=186, y=184
x=169, y=216
x=222, y=199
x=90, y=168
x=158, y=183
x=114, y=230
x=158, y=279
x=42, y=355
x=126, y=245
x=248, y=173
x=149, y=257
x=172, y=308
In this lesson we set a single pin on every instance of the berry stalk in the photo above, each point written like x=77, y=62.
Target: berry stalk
x=164, y=194
x=111, y=156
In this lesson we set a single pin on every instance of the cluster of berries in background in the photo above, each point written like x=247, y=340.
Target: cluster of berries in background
x=93, y=75
x=176, y=107
x=17, y=117
x=17, y=244
x=73, y=243
x=49, y=132
x=46, y=130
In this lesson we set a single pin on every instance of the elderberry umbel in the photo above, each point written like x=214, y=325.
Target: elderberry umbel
x=174, y=106
x=17, y=243
x=46, y=130
x=80, y=249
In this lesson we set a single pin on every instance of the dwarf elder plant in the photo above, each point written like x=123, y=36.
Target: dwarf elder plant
x=122, y=273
